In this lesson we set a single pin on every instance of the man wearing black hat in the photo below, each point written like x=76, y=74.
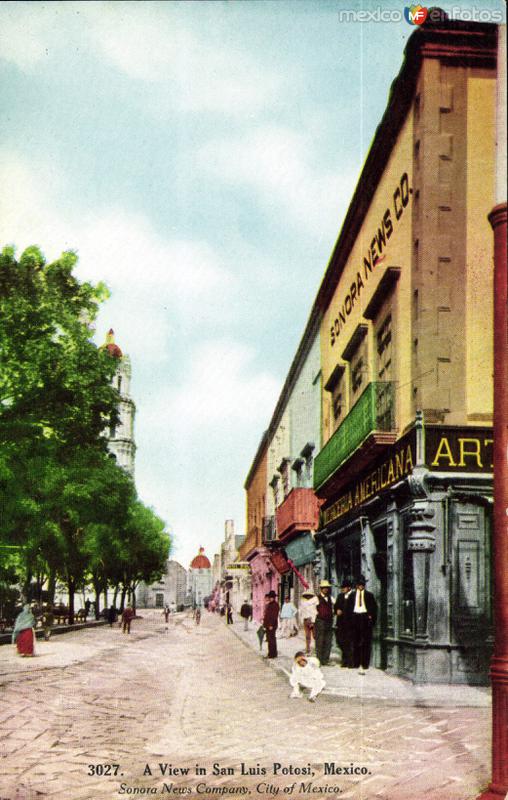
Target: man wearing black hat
x=362, y=607
x=270, y=622
x=343, y=633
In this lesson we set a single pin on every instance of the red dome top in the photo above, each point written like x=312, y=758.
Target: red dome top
x=200, y=561
x=110, y=345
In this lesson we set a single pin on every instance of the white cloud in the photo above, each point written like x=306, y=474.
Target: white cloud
x=26, y=33
x=155, y=282
x=149, y=44
x=188, y=71
x=277, y=163
x=221, y=390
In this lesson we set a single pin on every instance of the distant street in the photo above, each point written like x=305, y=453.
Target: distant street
x=187, y=697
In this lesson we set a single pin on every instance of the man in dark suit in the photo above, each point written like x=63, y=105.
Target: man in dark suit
x=362, y=608
x=270, y=622
x=343, y=632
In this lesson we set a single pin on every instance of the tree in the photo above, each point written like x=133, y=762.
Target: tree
x=55, y=397
x=144, y=549
x=53, y=379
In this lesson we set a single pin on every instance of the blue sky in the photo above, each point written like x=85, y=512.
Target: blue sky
x=200, y=157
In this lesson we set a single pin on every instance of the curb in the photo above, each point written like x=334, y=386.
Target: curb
x=6, y=638
x=353, y=695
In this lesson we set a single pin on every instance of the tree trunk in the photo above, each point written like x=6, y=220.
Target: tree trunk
x=97, y=589
x=51, y=586
x=122, y=600
x=71, y=588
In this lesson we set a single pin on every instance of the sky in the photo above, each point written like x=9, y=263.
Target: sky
x=200, y=158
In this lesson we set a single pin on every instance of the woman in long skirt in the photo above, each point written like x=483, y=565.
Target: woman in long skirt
x=24, y=632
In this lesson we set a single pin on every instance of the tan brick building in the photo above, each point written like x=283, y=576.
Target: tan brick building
x=405, y=468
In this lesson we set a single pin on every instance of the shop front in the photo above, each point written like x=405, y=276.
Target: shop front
x=416, y=522
x=264, y=577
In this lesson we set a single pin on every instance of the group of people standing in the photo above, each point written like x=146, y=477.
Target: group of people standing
x=352, y=615
x=354, y=612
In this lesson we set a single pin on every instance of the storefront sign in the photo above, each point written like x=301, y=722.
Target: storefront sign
x=447, y=449
x=394, y=467
x=301, y=550
x=378, y=242
x=458, y=449
x=280, y=562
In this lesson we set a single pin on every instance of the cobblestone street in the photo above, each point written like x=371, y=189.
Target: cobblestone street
x=187, y=697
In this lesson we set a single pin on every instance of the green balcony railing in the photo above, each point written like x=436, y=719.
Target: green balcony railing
x=373, y=411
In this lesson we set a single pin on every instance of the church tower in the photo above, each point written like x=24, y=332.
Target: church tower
x=121, y=436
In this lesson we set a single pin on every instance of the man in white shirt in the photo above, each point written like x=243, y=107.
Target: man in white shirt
x=306, y=673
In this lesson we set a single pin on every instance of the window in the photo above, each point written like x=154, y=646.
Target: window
x=285, y=476
x=359, y=372
x=384, y=372
x=384, y=349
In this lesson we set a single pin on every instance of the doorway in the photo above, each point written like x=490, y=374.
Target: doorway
x=380, y=559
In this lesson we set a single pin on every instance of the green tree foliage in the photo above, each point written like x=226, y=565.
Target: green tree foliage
x=53, y=380
x=144, y=549
x=67, y=511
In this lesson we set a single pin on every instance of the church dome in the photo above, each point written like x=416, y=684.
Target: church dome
x=200, y=561
x=111, y=346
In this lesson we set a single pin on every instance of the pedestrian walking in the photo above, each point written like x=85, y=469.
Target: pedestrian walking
x=307, y=612
x=246, y=614
x=127, y=617
x=270, y=623
x=111, y=615
x=306, y=673
x=229, y=614
x=197, y=615
x=23, y=634
x=323, y=625
x=87, y=608
x=343, y=626
x=362, y=607
x=166, y=613
x=288, y=614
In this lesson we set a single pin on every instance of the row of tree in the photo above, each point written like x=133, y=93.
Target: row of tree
x=68, y=512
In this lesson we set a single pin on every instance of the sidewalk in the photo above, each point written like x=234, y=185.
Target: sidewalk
x=375, y=685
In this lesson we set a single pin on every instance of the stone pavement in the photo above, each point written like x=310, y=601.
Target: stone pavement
x=184, y=697
x=375, y=685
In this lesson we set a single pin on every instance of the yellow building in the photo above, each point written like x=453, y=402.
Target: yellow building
x=405, y=468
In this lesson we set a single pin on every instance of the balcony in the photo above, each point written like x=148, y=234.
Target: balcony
x=371, y=421
x=269, y=530
x=298, y=512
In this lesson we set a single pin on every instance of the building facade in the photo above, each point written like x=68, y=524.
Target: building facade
x=199, y=579
x=169, y=591
x=297, y=436
x=405, y=471
x=254, y=550
x=235, y=581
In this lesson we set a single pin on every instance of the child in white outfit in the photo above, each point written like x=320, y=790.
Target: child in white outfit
x=306, y=673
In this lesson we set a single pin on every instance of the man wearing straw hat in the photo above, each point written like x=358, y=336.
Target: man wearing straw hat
x=323, y=625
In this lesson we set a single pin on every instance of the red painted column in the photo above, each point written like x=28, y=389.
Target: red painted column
x=499, y=665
